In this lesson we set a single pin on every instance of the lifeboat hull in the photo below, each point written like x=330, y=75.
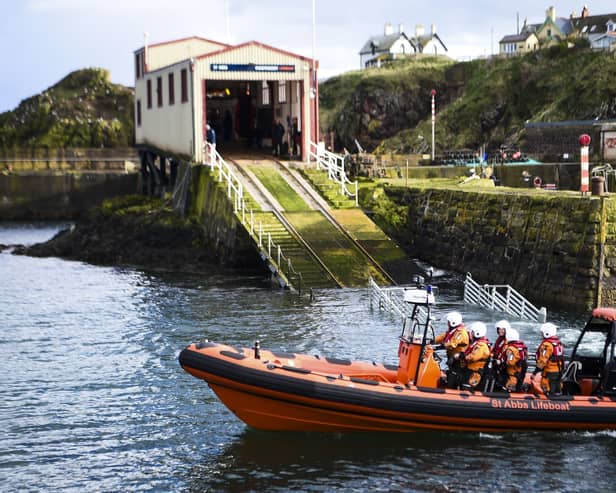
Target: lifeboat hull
x=296, y=392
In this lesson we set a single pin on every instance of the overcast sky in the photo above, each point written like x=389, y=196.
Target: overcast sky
x=44, y=40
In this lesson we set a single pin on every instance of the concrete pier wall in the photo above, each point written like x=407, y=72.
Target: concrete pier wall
x=555, y=248
x=45, y=196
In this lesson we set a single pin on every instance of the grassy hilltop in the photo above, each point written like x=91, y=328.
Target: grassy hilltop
x=480, y=102
x=82, y=110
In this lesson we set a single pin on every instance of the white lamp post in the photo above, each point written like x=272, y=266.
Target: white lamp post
x=433, y=93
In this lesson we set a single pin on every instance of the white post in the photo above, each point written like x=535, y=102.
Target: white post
x=433, y=93
x=584, y=143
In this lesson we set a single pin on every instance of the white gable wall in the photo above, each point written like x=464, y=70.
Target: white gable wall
x=258, y=55
x=165, y=54
x=433, y=47
x=401, y=46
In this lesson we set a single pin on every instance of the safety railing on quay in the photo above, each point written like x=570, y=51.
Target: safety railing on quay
x=235, y=192
x=334, y=164
x=501, y=297
x=388, y=299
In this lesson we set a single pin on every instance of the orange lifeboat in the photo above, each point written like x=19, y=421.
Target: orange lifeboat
x=270, y=390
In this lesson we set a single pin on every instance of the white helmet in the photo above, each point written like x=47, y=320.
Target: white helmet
x=548, y=329
x=478, y=329
x=454, y=319
x=512, y=334
x=502, y=324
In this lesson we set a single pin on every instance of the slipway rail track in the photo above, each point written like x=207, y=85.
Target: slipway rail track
x=300, y=185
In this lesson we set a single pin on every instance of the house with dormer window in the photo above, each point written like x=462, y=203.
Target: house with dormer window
x=554, y=29
x=599, y=30
x=393, y=45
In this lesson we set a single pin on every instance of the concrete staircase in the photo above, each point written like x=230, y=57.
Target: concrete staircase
x=328, y=189
x=312, y=274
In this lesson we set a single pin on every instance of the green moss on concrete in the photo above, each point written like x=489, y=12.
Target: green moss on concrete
x=279, y=188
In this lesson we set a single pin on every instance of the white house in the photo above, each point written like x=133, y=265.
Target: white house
x=182, y=85
x=393, y=45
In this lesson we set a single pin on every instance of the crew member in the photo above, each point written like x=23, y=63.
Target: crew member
x=515, y=361
x=476, y=355
x=497, y=367
x=550, y=360
x=500, y=344
x=455, y=341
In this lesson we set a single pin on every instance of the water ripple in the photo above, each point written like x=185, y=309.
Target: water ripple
x=93, y=397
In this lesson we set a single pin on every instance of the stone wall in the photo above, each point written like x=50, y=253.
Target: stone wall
x=549, y=247
x=43, y=196
x=209, y=204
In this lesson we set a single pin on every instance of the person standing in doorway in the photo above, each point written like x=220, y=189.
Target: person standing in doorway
x=296, y=137
x=277, y=136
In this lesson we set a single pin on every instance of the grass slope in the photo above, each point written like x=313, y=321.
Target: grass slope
x=478, y=102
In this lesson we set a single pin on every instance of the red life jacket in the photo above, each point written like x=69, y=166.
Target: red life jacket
x=451, y=333
x=499, y=347
x=558, y=352
x=472, y=345
x=522, y=349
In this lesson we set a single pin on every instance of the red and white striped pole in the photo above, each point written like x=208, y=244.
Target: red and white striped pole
x=433, y=93
x=584, y=143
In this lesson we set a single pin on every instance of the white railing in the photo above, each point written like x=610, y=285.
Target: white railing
x=334, y=165
x=235, y=192
x=501, y=297
x=235, y=189
x=392, y=299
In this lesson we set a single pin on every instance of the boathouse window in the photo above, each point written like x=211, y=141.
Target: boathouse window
x=138, y=66
x=159, y=91
x=139, y=112
x=149, y=83
x=171, y=90
x=282, y=92
x=265, y=93
x=184, y=81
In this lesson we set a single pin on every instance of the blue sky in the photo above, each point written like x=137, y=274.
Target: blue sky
x=44, y=40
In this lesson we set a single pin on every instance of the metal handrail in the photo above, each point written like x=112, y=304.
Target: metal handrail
x=235, y=191
x=334, y=164
x=388, y=299
x=391, y=299
x=501, y=297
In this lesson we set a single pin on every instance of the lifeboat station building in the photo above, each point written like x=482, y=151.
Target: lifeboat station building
x=184, y=85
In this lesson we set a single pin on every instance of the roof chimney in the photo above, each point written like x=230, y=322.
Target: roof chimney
x=419, y=31
x=388, y=29
x=585, y=12
x=551, y=13
x=433, y=29
x=400, y=28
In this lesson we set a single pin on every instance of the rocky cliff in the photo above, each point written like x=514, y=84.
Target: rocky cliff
x=83, y=110
x=480, y=102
